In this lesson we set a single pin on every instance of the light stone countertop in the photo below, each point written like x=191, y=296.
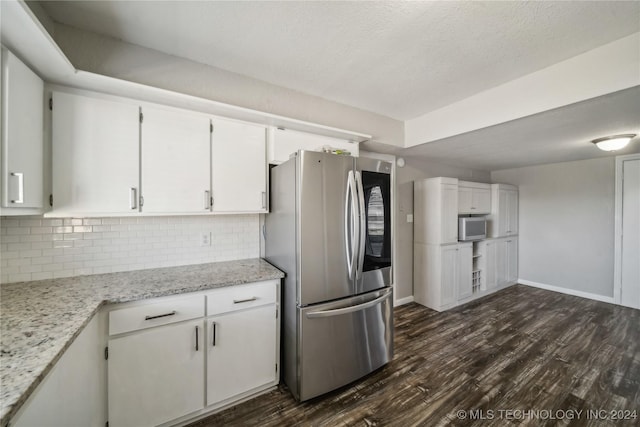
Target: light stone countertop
x=40, y=319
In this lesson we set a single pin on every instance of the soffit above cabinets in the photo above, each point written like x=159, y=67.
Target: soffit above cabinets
x=398, y=59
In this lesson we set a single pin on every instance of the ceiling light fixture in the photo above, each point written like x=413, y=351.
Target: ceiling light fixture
x=614, y=142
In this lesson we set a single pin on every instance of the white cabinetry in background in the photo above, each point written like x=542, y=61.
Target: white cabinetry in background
x=284, y=142
x=238, y=167
x=474, y=198
x=176, y=166
x=96, y=161
x=21, y=141
x=442, y=274
x=503, y=220
x=435, y=207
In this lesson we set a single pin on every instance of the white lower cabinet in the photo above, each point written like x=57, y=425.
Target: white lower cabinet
x=442, y=274
x=173, y=359
x=74, y=392
x=242, y=352
x=156, y=375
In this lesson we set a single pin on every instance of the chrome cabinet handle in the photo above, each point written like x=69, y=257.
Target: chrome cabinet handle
x=133, y=198
x=160, y=315
x=197, y=338
x=20, y=177
x=207, y=199
x=264, y=200
x=239, y=301
x=213, y=325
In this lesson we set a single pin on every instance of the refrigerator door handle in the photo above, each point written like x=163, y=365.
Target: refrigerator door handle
x=350, y=224
x=362, y=230
x=351, y=309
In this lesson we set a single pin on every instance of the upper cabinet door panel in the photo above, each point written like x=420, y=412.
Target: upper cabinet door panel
x=481, y=201
x=22, y=138
x=464, y=200
x=238, y=167
x=176, y=148
x=95, y=155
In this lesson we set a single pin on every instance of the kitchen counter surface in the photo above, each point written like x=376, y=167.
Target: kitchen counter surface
x=39, y=320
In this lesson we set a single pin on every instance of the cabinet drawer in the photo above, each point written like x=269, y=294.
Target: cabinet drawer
x=241, y=297
x=155, y=314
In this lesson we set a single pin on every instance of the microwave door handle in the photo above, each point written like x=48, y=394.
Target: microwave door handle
x=362, y=226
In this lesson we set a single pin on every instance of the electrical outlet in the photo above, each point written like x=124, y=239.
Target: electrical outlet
x=409, y=217
x=205, y=239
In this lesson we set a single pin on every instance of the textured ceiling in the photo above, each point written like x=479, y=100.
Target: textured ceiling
x=399, y=59
x=559, y=135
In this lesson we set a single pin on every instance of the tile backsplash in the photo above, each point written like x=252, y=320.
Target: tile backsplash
x=33, y=248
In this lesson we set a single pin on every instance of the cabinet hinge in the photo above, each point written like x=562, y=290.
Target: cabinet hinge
x=141, y=201
x=106, y=356
x=141, y=117
x=51, y=104
x=51, y=200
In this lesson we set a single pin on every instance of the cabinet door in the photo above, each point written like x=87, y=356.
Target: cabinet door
x=512, y=260
x=239, y=167
x=241, y=352
x=502, y=262
x=176, y=168
x=449, y=221
x=448, y=274
x=286, y=142
x=511, y=218
x=464, y=200
x=157, y=375
x=464, y=268
x=95, y=155
x=489, y=263
x=503, y=213
x=22, y=139
x=481, y=201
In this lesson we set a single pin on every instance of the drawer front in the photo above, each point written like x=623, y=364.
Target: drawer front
x=242, y=296
x=164, y=312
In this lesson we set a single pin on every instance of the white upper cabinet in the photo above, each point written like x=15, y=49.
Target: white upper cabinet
x=95, y=155
x=474, y=198
x=22, y=137
x=503, y=220
x=284, y=142
x=238, y=167
x=436, y=210
x=176, y=148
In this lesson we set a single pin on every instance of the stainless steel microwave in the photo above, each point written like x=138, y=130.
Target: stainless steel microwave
x=472, y=228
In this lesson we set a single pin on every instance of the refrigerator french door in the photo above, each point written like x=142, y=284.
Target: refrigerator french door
x=329, y=230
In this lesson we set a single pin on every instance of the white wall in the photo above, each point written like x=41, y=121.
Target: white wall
x=33, y=248
x=103, y=55
x=415, y=170
x=566, y=223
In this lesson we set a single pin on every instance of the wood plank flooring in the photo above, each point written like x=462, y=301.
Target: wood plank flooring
x=521, y=349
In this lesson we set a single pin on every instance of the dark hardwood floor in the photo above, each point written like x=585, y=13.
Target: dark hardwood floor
x=521, y=349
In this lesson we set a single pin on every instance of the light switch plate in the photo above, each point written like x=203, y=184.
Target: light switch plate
x=409, y=217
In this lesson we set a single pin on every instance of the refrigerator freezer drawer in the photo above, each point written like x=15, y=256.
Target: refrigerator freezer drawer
x=343, y=340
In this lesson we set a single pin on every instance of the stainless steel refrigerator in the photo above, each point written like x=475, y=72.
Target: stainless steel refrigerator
x=329, y=230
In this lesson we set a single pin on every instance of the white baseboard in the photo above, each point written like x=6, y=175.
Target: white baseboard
x=403, y=301
x=573, y=292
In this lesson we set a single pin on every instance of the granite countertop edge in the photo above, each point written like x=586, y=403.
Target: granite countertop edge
x=170, y=284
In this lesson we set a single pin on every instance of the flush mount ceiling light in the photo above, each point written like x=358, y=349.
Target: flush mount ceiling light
x=614, y=142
